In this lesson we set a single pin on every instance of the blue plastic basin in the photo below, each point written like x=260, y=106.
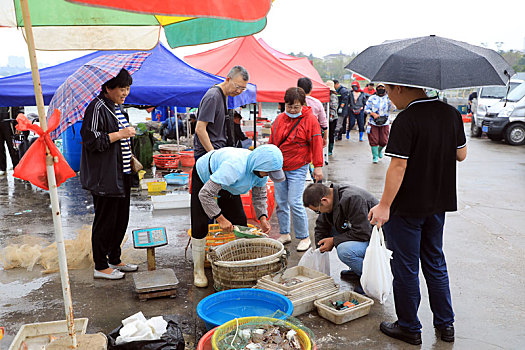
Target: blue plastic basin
x=221, y=307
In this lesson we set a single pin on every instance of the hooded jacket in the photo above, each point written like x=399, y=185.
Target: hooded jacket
x=303, y=145
x=342, y=95
x=233, y=168
x=348, y=220
x=101, y=168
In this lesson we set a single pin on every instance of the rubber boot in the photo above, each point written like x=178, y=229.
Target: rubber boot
x=361, y=136
x=381, y=152
x=375, y=154
x=330, y=148
x=348, y=134
x=198, y=251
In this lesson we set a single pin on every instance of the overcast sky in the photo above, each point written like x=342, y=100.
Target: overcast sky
x=322, y=27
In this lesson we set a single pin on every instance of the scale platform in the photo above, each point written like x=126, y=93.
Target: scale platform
x=156, y=283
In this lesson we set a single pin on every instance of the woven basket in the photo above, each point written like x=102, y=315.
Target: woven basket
x=240, y=263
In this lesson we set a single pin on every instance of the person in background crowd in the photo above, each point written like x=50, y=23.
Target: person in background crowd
x=316, y=105
x=473, y=96
x=7, y=132
x=241, y=140
x=332, y=117
x=357, y=101
x=369, y=89
x=298, y=135
x=222, y=176
x=418, y=191
x=105, y=171
x=378, y=108
x=342, y=223
x=342, y=109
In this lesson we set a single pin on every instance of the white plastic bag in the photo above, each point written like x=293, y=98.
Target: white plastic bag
x=316, y=260
x=376, y=279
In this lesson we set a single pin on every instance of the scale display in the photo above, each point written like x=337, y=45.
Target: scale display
x=150, y=237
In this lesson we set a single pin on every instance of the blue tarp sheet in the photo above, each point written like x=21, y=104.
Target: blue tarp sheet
x=163, y=80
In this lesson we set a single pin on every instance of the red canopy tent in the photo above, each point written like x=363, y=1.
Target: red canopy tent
x=271, y=75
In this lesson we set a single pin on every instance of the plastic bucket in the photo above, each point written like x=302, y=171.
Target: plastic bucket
x=219, y=308
x=205, y=341
x=187, y=158
x=72, y=145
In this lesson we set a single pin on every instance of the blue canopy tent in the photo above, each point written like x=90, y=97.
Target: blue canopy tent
x=163, y=80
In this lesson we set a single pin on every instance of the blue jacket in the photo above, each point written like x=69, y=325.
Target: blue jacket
x=233, y=168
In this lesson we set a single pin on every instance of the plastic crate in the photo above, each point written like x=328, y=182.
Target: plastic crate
x=306, y=275
x=187, y=159
x=325, y=309
x=248, y=206
x=177, y=178
x=166, y=161
x=157, y=186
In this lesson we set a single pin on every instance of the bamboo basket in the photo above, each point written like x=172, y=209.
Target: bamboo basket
x=240, y=263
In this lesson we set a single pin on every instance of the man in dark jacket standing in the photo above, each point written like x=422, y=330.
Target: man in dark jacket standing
x=7, y=131
x=342, y=223
x=342, y=110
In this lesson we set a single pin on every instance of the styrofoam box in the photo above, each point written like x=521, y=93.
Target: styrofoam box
x=37, y=335
x=306, y=275
x=171, y=201
x=325, y=310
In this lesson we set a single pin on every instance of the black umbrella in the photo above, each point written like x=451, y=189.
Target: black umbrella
x=432, y=62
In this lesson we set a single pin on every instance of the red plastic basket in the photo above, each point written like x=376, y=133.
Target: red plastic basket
x=205, y=341
x=166, y=161
x=248, y=206
x=187, y=159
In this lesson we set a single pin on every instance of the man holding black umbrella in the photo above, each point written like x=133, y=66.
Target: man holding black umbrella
x=418, y=191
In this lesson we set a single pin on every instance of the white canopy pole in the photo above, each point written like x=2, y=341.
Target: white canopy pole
x=53, y=193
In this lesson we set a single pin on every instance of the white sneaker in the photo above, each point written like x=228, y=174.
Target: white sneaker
x=115, y=275
x=304, y=244
x=125, y=268
x=285, y=239
x=2, y=172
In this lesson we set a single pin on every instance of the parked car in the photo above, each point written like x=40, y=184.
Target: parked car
x=488, y=96
x=506, y=118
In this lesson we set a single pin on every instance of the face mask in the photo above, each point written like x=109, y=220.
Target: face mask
x=293, y=116
x=355, y=88
x=381, y=92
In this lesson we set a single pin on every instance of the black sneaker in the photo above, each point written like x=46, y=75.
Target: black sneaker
x=446, y=333
x=394, y=330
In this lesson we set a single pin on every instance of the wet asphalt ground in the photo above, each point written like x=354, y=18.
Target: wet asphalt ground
x=484, y=244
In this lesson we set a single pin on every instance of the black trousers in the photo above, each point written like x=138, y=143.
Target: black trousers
x=6, y=136
x=331, y=132
x=109, y=226
x=231, y=207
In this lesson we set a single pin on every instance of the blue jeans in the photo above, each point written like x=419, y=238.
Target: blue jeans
x=289, y=197
x=360, y=121
x=352, y=254
x=412, y=240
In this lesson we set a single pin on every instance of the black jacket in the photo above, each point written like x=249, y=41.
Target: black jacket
x=348, y=220
x=101, y=161
x=342, y=95
x=10, y=112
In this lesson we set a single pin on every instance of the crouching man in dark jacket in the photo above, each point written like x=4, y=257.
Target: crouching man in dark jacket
x=342, y=223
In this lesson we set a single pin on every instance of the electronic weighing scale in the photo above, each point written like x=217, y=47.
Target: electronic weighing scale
x=153, y=283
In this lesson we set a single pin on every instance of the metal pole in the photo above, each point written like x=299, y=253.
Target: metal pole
x=254, y=125
x=176, y=127
x=53, y=193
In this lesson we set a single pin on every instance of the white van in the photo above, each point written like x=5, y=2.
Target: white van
x=487, y=97
x=506, y=118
